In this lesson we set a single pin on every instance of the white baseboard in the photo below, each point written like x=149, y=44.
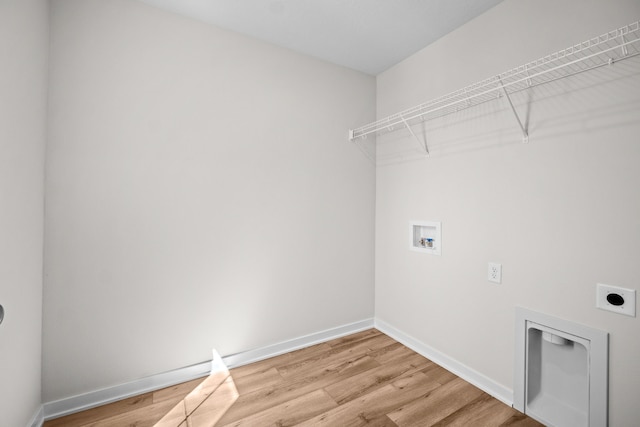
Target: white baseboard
x=246, y=357
x=466, y=373
x=38, y=418
x=104, y=396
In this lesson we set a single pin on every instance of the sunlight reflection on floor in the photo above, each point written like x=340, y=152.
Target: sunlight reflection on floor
x=207, y=403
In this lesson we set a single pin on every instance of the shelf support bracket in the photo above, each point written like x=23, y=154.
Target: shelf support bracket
x=525, y=134
x=625, y=52
x=422, y=144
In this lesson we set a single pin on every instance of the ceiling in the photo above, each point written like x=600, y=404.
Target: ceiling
x=365, y=35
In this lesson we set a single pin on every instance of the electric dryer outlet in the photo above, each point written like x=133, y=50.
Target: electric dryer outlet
x=616, y=299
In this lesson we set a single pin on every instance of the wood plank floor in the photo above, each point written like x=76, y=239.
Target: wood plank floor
x=364, y=379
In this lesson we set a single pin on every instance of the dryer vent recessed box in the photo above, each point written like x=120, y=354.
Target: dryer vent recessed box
x=425, y=236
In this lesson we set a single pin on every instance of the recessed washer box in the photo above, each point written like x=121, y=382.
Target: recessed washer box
x=426, y=237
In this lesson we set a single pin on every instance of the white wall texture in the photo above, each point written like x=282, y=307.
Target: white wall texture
x=201, y=193
x=23, y=95
x=560, y=213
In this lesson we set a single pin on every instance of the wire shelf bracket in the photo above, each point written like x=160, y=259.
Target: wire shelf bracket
x=422, y=144
x=525, y=133
x=606, y=49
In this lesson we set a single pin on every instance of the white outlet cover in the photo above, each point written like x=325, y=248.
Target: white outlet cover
x=628, y=307
x=494, y=273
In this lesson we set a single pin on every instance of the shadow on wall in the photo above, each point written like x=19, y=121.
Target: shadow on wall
x=596, y=100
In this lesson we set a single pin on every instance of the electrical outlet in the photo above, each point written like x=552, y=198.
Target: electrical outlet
x=495, y=272
x=615, y=299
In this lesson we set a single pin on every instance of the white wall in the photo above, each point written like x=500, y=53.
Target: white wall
x=201, y=193
x=560, y=213
x=23, y=75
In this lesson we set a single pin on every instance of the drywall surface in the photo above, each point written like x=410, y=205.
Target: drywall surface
x=23, y=78
x=201, y=194
x=560, y=213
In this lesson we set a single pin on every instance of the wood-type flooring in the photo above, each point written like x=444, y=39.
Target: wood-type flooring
x=364, y=379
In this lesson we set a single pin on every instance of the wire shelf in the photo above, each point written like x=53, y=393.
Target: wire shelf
x=605, y=49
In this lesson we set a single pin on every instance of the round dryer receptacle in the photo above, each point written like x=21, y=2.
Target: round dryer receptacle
x=615, y=299
x=1, y=313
